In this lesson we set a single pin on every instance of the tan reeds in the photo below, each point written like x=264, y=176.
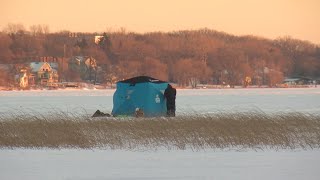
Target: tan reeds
x=255, y=130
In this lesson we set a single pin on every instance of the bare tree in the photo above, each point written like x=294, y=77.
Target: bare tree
x=154, y=68
x=40, y=29
x=189, y=71
x=14, y=28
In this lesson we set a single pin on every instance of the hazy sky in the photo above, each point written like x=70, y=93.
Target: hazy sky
x=267, y=18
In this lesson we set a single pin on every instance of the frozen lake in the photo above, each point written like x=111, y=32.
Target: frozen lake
x=100, y=164
x=188, y=100
x=204, y=101
x=72, y=164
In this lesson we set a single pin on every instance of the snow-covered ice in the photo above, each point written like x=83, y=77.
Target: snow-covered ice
x=72, y=164
x=188, y=100
x=97, y=164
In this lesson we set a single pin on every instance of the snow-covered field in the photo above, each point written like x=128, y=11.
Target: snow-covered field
x=188, y=101
x=99, y=164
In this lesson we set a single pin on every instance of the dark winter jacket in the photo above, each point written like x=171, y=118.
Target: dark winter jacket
x=170, y=95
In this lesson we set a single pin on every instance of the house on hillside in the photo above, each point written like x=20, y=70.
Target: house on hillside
x=43, y=73
x=85, y=66
x=61, y=65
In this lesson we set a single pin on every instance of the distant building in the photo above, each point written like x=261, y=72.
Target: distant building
x=43, y=73
x=298, y=81
x=86, y=66
x=291, y=81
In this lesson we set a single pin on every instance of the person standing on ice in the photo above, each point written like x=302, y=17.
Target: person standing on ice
x=170, y=96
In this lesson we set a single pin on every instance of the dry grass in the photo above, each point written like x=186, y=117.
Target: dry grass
x=255, y=130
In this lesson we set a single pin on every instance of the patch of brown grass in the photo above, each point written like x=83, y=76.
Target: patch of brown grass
x=238, y=130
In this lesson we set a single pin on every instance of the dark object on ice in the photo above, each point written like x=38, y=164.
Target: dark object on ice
x=139, y=112
x=98, y=113
x=170, y=96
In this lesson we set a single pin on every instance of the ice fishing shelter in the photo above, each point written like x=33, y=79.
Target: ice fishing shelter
x=141, y=92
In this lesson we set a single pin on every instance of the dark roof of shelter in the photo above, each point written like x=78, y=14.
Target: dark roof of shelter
x=142, y=79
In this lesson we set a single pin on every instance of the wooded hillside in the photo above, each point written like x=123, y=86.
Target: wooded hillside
x=184, y=57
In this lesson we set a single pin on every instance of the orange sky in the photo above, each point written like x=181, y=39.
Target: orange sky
x=267, y=18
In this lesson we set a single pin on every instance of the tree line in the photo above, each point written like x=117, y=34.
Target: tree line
x=185, y=57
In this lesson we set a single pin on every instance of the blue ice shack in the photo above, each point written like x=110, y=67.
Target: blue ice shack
x=141, y=92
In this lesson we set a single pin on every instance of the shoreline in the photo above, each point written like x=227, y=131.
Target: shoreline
x=181, y=88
